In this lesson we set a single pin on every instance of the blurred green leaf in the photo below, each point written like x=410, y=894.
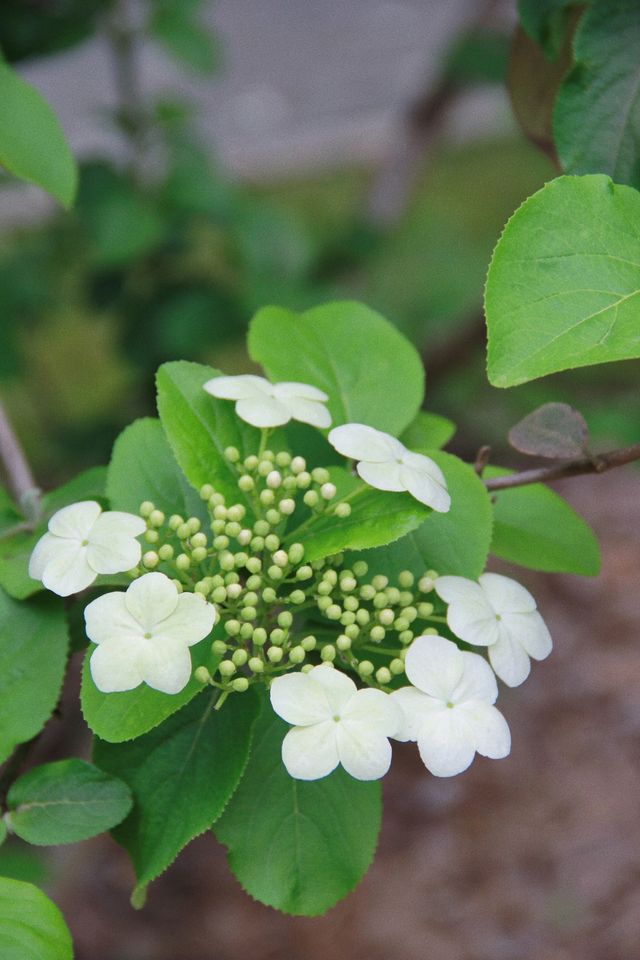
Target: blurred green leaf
x=30, y=31
x=31, y=926
x=545, y=22
x=33, y=146
x=428, y=431
x=177, y=26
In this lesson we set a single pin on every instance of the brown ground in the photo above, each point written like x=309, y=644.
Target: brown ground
x=532, y=858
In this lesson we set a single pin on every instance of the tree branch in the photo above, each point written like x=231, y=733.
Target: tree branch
x=21, y=480
x=558, y=471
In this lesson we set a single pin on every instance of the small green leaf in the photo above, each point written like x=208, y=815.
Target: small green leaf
x=555, y=431
x=536, y=528
x=31, y=926
x=456, y=542
x=545, y=22
x=371, y=373
x=376, y=517
x=563, y=288
x=33, y=656
x=597, y=113
x=182, y=776
x=428, y=431
x=175, y=25
x=66, y=801
x=298, y=846
x=32, y=143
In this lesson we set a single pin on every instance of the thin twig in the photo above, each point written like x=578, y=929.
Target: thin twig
x=482, y=459
x=21, y=480
x=123, y=36
x=558, y=471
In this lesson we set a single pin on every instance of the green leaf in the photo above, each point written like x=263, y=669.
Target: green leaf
x=371, y=373
x=563, y=288
x=182, y=776
x=597, y=112
x=33, y=656
x=536, y=528
x=66, y=801
x=31, y=926
x=298, y=846
x=200, y=427
x=32, y=143
x=545, y=22
x=456, y=542
x=188, y=41
x=16, y=548
x=143, y=467
x=428, y=431
x=116, y=717
x=376, y=517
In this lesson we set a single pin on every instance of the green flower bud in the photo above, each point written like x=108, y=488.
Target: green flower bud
x=244, y=537
x=406, y=598
x=275, y=654
x=360, y=568
x=303, y=481
x=183, y=531
x=257, y=544
x=233, y=590
x=231, y=577
x=289, y=484
x=246, y=631
x=328, y=491
x=426, y=584
x=220, y=512
x=304, y=573
x=240, y=559
x=396, y=666
x=401, y=624
x=178, y=585
x=175, y=521
x=347, y=584
x=272, y=542
x=285, y=619
x=166, y=551
x=256, y=665
x=206, y=491
x=286, y=507
x=217, y=527
x=152, y=536
x=333, y=612
x=367, y=592
x=274, y=479
x=296, y=552
x=297, y=654
x=377, y=633
x=150, y=559
x=280, y=558
x=237, y=512
x=275, y=573
x=309, y=643
x=216, y=500
x=269, y=595
x=217, y=581
x=267, y=498
x=380, y=581
x=430, y=631
x=220, y=542
x=320, y=475
x=328, y=653
x=251, y=598
x=352, y=630
x=226, y=561
x=406, y=579
x=239, y=657
x=283, y=459
x=343, y=642
x=363, y=617
x=330, y=576
x=273, y=517
x=307, y=668
x=259, y=636
x=365, y=668
x=254, y=582
x=146, y=508
x=269, y=455
x=425, y=610
x=298, y=464
x=311, y=498
x=410, y=614
x=277, y=636
x=219, y=595
x=232, y=454
x=383, y=675
x=226, y=668
x=202, y=675
x=199, y=554
x=202, y=587
x=232, y=528
x=406, y=636
x=194, y=525
x=246, y=483
x=324, y=588
x=156, y=518
x=297, y=596
x=248, y=613
x=240, y=684
x=261, y=528
x=264, y=468
x=183, y=562
x=347, y=618
x=393, y=595
x=323, y=603
x=386, y=617
x=254, y=565
x=351, y=603
x=232, y=627
x=343, y=510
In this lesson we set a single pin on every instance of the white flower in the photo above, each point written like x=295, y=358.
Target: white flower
x=334, y=723
x=449, y=709
x=266, y=404
x=144, y=635
x=386, y=464
x=82, y=542
x=500, y=614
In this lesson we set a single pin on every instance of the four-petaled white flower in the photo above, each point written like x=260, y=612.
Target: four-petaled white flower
x=500, y=614
x=144, y=635
x=334, y=723
x=449, y=709
x=386, y=464
x=82, y=542
x=265, y=404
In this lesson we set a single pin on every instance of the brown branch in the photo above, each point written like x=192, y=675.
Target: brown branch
x=558, y=471
x=21, y=480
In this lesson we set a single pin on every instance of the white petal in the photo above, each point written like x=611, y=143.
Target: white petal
x=456, y=589
x=382, y=476
x=287, y=390
x=375, y=709
x=298, y=700
x=107, y=618
x=310, y=753
x=365, y=754
x=115, y=666
x=190, y=622
x=490, y=729
x=360, y=442
x=415, y=705
x=117, y=522
x=76, y=520
x=510, y=661
x=151, y=599
x=435, y=666
x=446, y=743
x=337, y=686
x=166, y=664
x=263, y=412
x=469, y=614
x=530, y=630
x=244, y=387
x=477, y=682
x=68, y=571
x=44, y=552
x=422, y=484
x=506, y=595
x=309, y=411
x=111, y=549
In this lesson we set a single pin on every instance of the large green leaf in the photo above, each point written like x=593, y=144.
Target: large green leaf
x=376, y=517
x=428, y=431
x=32, y=143
x=33, y=655
x=182, y=776
x=597, y=112
x=200, y=427
x=456, y=542
x=563, y=288
x=298, y=846
x=143, y=468
x=371, y=373
x=116, y=717
x=545, y=22
x=536, y=528
x=31, y=926
x=66, y=801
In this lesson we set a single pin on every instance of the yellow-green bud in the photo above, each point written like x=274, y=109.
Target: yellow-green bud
x=273, y=517
x=254, y=565
x=150, y=559
x=283, y=459
x=347, y=584
x=380, y=581
x=232, y=627
x=267, y=498
x=287, y=506
x=289, y=484
x=324, y=588
x=352, y=630
x=246, y=631
x=152, y=536
x=226, y=561
x=221, y=542
x=377, y=633
x=219, y=647
x=217, y=527
x=156, y=518
x=309, y=643
x=277, y=636
x=386, y=617
x=219, y=595
x=328, y=491
x=199, y=554
x=239, y=657
x=296, y=552
x=406, y=579
x=203, y=587
x=383, y=675
x=178, y=585
x=257, y=544
x=206, y=491
x=367, y=591
x=343, y=510
x=183, y=562
x=194, y=525
x=351, y=603
x=396, y=666
x=407, y=636
x=297, y=596
x=306, y=668
x=360, y=568
x=298, y=464
x=220, y=512
x=269, y=595
x=272, y=542
x=274, y=479
x=254, y=582
x=297, y=654
x=146, y=508
x=285, y=619
x=304, y=573
x=281, y=558
x=216, y=500
x=234, y=590
x=365, y=668
x=226, y=668
x=426, y=584
x=166, y=551
x=275, y=654
x=311, y=498
x=183, y=531
x=240, y=559
x=363, y=617
x=328, y=653
x=248, y=613
x=246, y=483
x=275, y=573
x=175, y=521
x=320, y=475
x=240, y=684
x=401, y=624
x=251, y=462
x=259, y=636
x=237, y=512
x=232, y=454
x=425, y=609
x=244, y=537
x=333, y=612
x=323, y=603
x=347, y=618
x=343, y=642
x=256, y=665
x=202, y=675
x=232, y=528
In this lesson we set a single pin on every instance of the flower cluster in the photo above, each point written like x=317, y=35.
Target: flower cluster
x=236, y=577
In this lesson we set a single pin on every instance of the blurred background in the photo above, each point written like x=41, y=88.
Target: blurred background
x=235, y=154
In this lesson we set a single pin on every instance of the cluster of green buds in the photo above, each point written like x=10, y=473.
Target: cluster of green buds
x=277, y=611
